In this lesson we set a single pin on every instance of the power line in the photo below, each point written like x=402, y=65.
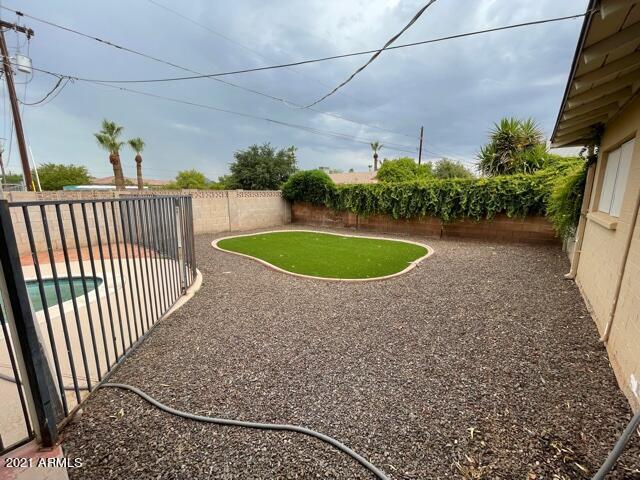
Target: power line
x=51, y=92
x=375, y=55
x=316, y=131
x=333, y=57
x=261, y=55
x=197, y=74
x=400, y=147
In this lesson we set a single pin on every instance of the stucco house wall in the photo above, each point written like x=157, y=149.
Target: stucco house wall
x=602, y=259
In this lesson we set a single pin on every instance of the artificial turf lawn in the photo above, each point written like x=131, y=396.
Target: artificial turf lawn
x=327, y=255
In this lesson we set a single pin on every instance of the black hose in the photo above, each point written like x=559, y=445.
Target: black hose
x=262, y=426
x=618, y=448
x=606, y=467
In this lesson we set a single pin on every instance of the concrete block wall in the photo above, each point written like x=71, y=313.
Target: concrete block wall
x=214, y=211
x=536, y=230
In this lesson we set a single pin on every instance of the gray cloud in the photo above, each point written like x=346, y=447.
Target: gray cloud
x=456, y=89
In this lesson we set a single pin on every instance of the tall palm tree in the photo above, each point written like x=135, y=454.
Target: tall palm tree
x=109, y=139
x=376, y=147
x=137, y=144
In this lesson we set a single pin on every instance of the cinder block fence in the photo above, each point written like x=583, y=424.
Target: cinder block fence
x=214, y=211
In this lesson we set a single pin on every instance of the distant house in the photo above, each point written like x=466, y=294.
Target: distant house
x=601, y=109
x=354, y=177
x=129, y=181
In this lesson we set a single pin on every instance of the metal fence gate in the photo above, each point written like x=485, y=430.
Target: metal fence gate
x=83, y=282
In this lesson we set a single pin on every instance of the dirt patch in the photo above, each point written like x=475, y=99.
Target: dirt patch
x=481, y=363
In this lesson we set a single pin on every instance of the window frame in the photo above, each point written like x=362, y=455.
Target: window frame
x=618, y=184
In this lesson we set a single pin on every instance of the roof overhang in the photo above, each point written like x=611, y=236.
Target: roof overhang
x=605, y=74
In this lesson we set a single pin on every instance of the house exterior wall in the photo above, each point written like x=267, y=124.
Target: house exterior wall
x=213, y=211
x=602, y=259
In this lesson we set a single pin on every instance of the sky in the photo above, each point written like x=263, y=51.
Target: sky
x=456, y=89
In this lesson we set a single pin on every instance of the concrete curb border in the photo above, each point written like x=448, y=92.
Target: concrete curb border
x=188, y=295
x=411, y=266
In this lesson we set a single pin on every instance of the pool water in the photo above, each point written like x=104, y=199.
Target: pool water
x=65, y=290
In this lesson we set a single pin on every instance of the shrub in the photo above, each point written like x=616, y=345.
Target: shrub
x=403, y=170
x=565, y=201
x=515, y=195
x=449, y=199
x=313, y=186
x=515, y=146
x=191, y=179
x=446, y=168
x=262, y=167
x=54, y=176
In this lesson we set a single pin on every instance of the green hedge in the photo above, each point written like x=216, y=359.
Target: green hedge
x=565, y=202
x=448, y=199
x=516, y=195
x=313, y=186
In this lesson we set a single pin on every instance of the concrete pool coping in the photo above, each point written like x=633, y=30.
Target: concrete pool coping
x=411, y=266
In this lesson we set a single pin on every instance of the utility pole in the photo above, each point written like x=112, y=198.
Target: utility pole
x=420, y=149
x=11, y=88
x=2, y=167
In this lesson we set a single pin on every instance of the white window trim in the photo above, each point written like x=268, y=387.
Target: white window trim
x=613, y=185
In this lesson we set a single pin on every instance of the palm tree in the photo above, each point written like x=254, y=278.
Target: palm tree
x=376, y=147
x=137, y=144
x=108, y=138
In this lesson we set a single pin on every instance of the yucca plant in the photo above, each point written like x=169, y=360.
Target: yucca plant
x=109, y=139
x=515, y=146
x=137, y=144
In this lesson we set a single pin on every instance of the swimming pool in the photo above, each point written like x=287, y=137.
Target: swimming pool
x=65, y=290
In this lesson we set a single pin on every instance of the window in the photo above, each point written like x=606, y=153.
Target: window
x=615, y=179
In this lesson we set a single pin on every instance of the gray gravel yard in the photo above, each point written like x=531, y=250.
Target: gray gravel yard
x=482, y=363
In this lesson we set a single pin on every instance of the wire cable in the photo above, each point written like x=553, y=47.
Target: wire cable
x=375, y=55
x=43, y=99
x=261, y=55
x=197, y=74
x=316, y=131
x=333, y=57
x=255, y=425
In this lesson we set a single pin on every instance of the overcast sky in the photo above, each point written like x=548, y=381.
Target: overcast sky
x=456, y=89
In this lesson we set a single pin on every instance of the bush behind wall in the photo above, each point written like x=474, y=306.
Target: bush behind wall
x=516, y=195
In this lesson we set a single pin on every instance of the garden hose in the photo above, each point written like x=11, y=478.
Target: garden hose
x=262, y=426
x=606, y=467
x=618, y=448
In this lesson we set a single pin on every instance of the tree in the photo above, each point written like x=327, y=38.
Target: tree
x=262, y=167
x=12, y=178
x=446, y=168
x=515, y=146
x=55, y=176
x=109, y=139
x=313, y=186
x=376, y=147
x=192, y=179
x=403, y=170
x=137, y=144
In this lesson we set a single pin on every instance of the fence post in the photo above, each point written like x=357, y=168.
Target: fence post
x=181, y=263
x=30, y=356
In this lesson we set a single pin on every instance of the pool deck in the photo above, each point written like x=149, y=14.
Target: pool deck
x=481, y=363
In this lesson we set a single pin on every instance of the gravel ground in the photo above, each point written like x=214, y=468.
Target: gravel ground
x=482, y=363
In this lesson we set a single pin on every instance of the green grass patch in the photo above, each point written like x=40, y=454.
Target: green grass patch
x=327, y=255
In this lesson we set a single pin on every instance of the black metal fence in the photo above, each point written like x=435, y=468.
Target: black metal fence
x=83, y=283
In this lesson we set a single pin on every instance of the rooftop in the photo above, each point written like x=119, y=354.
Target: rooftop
x=604, y=76
x=147, y=181
x=354, y=177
